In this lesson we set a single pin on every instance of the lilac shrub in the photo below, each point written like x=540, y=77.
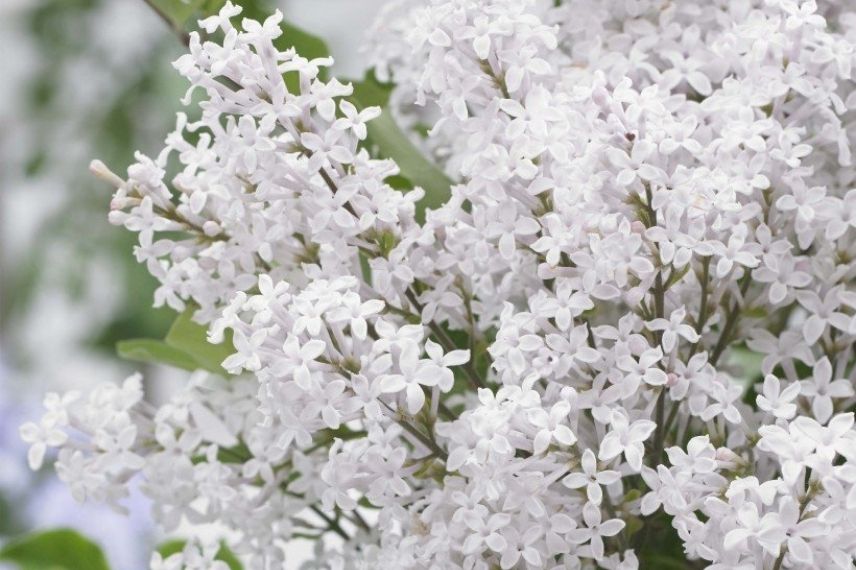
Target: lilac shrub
x=545, y=371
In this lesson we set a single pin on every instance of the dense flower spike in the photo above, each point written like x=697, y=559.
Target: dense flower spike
x=554, y=369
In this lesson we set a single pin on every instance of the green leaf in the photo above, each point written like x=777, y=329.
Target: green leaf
x=61, y=549
x=173, y=546
x=192, y=338
x=186, y=346
x=306, y=45
x=155, y=351
x=747, y=367
x=177, y=12
x=229, y=558
x=659, y=545
x=747, y=364
x=371, y=92
x=666, y=563
x=365, y=268
x=387, y=140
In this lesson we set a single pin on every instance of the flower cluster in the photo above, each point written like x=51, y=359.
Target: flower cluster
x=551, y=370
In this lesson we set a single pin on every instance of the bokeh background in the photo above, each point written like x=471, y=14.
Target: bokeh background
x=81, y=79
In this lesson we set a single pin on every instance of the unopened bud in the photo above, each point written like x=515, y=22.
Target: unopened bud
x=100, y=170
x=211, y=228
x=671, y=379
x=727, y=459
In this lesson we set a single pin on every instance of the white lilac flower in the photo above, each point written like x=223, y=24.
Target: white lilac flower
x=776, y=401
x=591, y=478
x=626, y=438
x=673, y=328
x=595, y=530
x=821, y=389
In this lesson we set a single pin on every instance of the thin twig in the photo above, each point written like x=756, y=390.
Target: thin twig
x=183, y=36
x=731, y=319
x=331, y=524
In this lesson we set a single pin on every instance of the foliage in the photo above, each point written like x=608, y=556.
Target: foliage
x=387, y=140
x=61, y=549
x=177, y=546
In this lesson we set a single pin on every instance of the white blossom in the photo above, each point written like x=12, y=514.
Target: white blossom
x=648, y=199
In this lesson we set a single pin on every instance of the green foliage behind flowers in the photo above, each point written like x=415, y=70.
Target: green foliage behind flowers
x=61, y=549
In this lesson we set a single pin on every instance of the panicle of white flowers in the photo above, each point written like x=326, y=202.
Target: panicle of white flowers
x=645, y=191
x=271, y=181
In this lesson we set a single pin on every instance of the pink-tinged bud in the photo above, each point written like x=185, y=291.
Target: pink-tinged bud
x=727, y=459
x=637, y=227
x=671, y=379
